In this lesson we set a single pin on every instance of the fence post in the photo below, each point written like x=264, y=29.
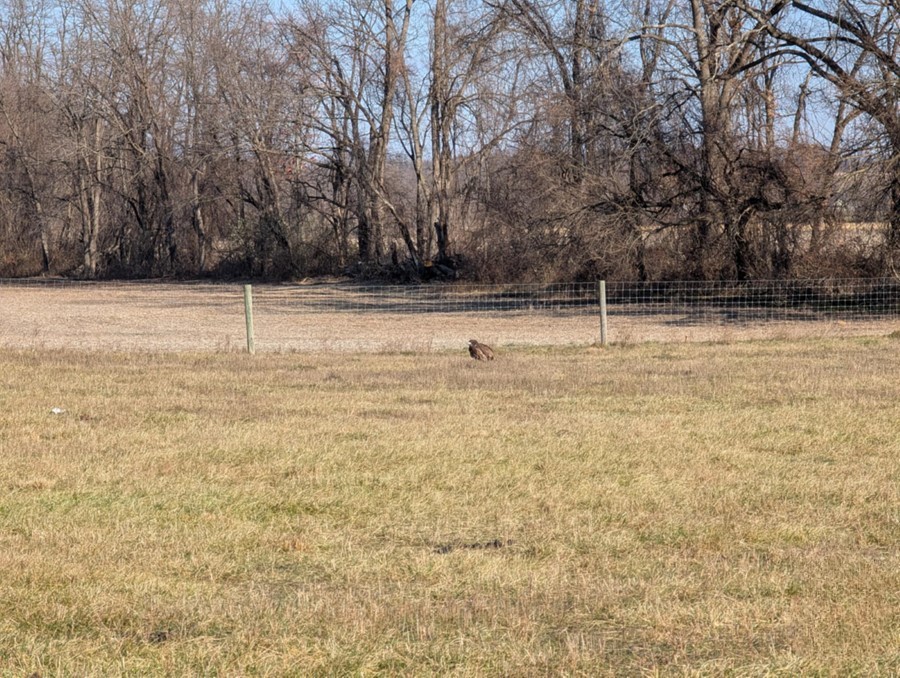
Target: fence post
x=601, y=292
x=248, y=316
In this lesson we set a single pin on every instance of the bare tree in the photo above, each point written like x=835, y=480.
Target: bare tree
x=721, y=107
x=464, y=52
x=574, y=38
x=257, y=87
x=453, y=115
x=853, y=46
x=357, y=54
x=25, y=115
x=81, y=82
x=197, y=30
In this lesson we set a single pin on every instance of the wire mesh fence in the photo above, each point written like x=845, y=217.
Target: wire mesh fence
x=713, y=300
x=569, y=298
x=155, y=316
x=755, y=301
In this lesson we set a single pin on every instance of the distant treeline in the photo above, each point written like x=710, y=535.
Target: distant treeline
x=514, y=140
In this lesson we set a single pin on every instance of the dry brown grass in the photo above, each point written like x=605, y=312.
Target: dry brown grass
x=209, y=317
x=650, y=510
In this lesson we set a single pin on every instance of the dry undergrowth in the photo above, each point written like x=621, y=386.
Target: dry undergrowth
x=658, y=509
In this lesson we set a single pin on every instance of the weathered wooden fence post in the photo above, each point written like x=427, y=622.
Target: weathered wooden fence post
x=248, y=316
x=601, y=291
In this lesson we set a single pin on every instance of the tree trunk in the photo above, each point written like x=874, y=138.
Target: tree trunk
x=198, y=222
x=168, y=214
x=741, y=251
x=893, y=234
x=88, y=187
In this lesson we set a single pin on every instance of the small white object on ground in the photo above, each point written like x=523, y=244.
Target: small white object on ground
x=57, y=410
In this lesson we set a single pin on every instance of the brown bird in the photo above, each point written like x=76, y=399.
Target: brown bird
x=480, y=351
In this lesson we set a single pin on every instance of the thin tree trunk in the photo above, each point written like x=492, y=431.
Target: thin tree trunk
x=198, y=222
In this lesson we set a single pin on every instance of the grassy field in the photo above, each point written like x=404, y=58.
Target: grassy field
x=655, y=509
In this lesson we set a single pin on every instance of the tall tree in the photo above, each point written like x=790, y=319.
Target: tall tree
x=25, y=116
x=358, y=55
x=82, y=82
x=573, y=37
x=853, y=45
x=260, y=90
x=465, y=50
x=716, y=82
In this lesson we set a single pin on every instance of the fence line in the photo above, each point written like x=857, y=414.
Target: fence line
x=455, y=298
x=771, y=299
x=763, y=300
x=346, y=316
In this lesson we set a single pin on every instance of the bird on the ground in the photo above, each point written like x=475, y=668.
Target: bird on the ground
x=480, y=351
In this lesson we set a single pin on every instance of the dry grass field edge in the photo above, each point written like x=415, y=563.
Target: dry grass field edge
x=653, y=509
x=155, y=317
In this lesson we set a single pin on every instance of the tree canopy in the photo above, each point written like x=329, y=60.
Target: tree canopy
x=419, y=139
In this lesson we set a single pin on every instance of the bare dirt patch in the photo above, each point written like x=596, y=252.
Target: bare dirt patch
x=210, y=317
